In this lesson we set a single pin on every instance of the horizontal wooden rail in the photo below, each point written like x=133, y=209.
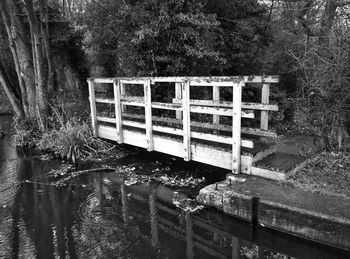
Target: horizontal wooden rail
x=204, y=125
x=198, y=135
x=245, y=105
x=213, y=79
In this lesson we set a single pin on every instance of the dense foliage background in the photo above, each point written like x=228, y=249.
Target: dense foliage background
x=306, y=42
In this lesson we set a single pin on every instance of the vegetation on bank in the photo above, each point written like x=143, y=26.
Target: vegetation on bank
x=68, y=135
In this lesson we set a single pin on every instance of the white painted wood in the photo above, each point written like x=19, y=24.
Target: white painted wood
x=92, y=106
x=265, y=93
x=122, y=94
x=246, y=79
x=227, y=128
x=173, y=131
x=167, y=106
x=221, y=111
x=200, y=82
x=148, y=115
x=269, y=174
x=178, y=96
x=131, y=103
x=200, y=153
x=245, y=105
x=105, y=119
x=216, y=98
x=220, y=139
x=101, y=100
x=103, y=80
x=134, y=124
x=118, y=111
x=140, y=81
x=236, y=127
x=186, y=120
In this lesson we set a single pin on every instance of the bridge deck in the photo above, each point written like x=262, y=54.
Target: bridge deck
x=158, y=114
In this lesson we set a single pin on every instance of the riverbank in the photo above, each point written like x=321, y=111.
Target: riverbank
x=281, y=206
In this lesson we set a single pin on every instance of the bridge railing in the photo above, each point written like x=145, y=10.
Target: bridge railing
x=184, y=106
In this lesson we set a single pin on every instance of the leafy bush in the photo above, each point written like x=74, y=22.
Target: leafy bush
x=73, y=141
x=26, y=133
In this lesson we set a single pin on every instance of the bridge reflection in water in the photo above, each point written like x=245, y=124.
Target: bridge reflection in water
x=205, y=234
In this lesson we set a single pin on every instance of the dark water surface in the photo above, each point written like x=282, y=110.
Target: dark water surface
x=95, y=216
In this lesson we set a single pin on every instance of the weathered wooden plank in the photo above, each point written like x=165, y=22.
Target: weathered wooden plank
x=216, y=98
x=236, y=127
x=167, y=106
x=148, y=115
x=221, y=111
x=200, y=153
x=134, y=124
x=102, y=100
x=103, y=80
x=260, y=106
x=186, y=120
x=245, y=105
x=122, y=94
x=227, y=128
x=168, y=130
x=220, y=139
x=264, y=153
x=200, y=82
x=266, y=173
x=105, y=119
x=92, y=106
x=178, y=96
x=133, y=81
x=246, y=79
x=118, y=111
x=197, y=135
x=133, y=103
x=259, y=132
x=265, y=93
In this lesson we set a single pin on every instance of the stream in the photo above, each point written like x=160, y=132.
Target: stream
x=95, y=215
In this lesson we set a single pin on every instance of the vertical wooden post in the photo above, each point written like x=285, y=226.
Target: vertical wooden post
x=148, y=115
x=122, y=93
x=189, y=235
x=236, y=127
x=153, y=214
x=216, y=97
x=92, y=105
x=186, y=119
x=235, y=248
x=265, y=93
x=125, y=210
x=118, y=111
x=178, y=96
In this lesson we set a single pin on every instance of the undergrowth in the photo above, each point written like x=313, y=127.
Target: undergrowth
x=68, y=135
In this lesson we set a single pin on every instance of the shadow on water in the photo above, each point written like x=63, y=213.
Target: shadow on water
x=97, y=216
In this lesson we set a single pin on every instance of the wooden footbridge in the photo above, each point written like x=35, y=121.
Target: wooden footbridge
x=198, y=118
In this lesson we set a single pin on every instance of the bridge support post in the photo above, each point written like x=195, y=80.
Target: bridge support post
x=148, y=115
x=236, y=127
x=186, y=119
x=265, y=92
x=178, y=96
x=92, y=105
x=118, y=110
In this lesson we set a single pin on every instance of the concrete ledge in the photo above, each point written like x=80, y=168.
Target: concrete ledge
x=321, y=218
x=238, y=205
x=323, y=228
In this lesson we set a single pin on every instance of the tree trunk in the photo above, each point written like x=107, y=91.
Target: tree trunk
x=39, y=60
x=14, y=100
x=24, y=58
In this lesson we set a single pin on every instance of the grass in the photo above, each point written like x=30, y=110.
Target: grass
x=68, y=136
